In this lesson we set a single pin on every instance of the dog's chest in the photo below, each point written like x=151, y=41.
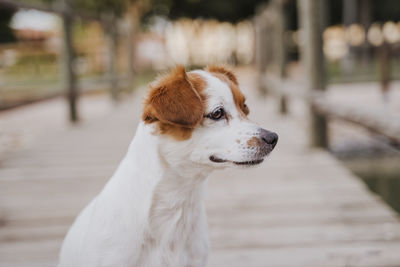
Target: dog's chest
x=176, y=234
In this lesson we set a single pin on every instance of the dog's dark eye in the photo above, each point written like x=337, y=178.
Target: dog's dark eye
x=217, y=114
x=246, y=109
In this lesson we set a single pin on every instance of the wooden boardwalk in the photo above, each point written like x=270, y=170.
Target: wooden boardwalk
x=299, y=208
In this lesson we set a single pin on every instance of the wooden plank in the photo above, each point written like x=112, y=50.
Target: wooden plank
x=35, y=233
x=30, y=253
x=302, y=235
x=365, y=254
x=298, y=215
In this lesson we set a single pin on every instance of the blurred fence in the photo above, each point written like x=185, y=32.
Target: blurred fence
x=81, y=53
x=353, y=52
x=273, y=53
x=31, y=69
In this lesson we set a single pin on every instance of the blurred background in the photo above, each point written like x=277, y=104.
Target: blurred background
x=333, y=66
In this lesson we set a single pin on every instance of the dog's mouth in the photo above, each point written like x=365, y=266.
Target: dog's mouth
x=242, y=163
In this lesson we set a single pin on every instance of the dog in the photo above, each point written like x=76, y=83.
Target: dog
x=151, y=212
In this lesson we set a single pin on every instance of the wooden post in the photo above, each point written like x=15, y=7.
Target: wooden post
x=134, y=21
x=384, y=70
x=281, y=50
x=310, y=16
x=365, y=20
x=260, y=49
x=110, y=27
x=266, y=42
x=69, y=76
x=131, y=54
x=350, y=10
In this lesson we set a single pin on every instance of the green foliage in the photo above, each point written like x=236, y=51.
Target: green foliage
x=6, y=35
x=384, y=10
x=100, y=6
x=235, y=10
x=91, y=6
x=33, y=66
x=226, y=10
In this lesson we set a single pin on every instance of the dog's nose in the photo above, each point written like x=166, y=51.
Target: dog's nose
x=268, y=137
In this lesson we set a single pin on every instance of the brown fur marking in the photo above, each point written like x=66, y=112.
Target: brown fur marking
x=229, y=78
x=175, y=103
x=223, y=70
x=253, y=142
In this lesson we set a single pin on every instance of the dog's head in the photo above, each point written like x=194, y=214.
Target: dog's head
x=201, y=118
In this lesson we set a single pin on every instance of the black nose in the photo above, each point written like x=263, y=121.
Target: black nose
x=268, y=137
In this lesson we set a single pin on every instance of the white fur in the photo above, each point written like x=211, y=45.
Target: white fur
x=151, y=212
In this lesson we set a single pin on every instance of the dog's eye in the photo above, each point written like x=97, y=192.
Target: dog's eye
x=246, y=109
x=217, y=114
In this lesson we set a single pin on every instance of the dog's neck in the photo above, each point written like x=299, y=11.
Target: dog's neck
x=145, y=150
x=177, y=205
x=173, y=190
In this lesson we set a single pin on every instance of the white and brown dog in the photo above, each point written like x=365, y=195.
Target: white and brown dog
x=151, y=212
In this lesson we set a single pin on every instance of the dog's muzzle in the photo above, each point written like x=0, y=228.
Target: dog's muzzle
x=265, y=143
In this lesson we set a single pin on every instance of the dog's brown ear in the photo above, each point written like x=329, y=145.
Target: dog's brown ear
x=223, y=70
x=173, y=100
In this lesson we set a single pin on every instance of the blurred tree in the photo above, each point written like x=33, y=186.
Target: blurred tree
x=93, y=7
x=235, y=10
x=382, y=10
x=99, y=6
x=226, y=10
x=6, y=34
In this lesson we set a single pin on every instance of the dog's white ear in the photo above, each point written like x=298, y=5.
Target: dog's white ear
x=173, y=100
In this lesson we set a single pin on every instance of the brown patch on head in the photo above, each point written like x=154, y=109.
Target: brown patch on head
x=253, y=142
x=225, y=71
x=229, y=78
x=174, y=102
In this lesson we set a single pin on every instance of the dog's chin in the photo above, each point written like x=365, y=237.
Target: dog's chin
x=247, y=163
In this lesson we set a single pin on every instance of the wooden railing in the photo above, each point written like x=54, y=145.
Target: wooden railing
x=68, y=15
x=312, y=90
x=376, y=121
